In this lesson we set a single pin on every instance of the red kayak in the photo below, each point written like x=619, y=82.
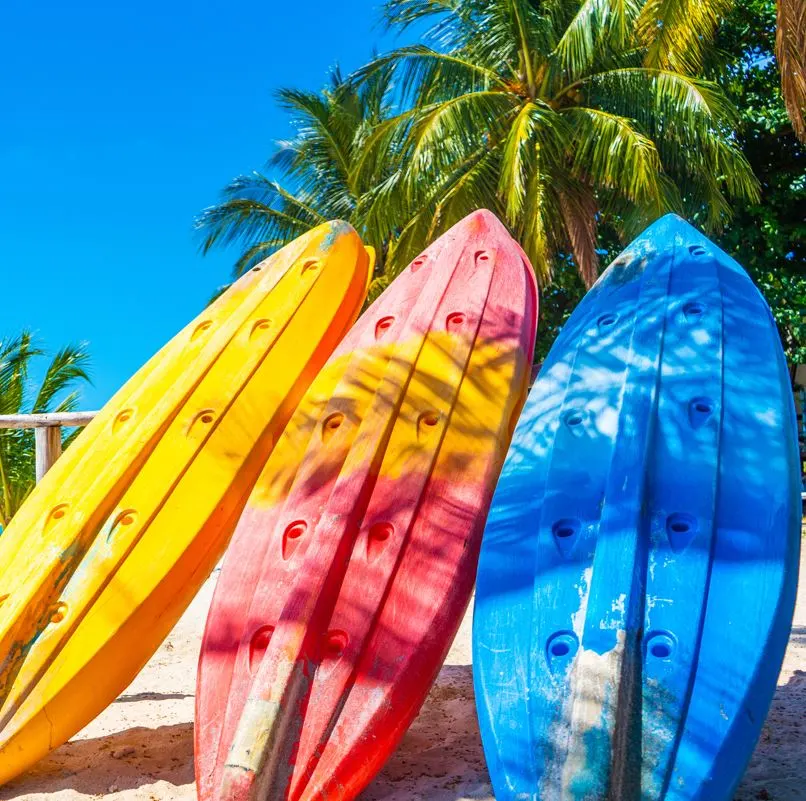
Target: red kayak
x=354, y=561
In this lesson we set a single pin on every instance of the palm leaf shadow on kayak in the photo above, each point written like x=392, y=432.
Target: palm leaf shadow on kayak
x=431, y=511
x=652, y=468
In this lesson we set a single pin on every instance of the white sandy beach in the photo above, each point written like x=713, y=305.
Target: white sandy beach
x=141, y=748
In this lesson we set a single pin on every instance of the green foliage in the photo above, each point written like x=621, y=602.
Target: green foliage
x=767, y=237
x=560, y=116
x=577, y=121
x=57, y=392
x=259, y=215
x=557, y=301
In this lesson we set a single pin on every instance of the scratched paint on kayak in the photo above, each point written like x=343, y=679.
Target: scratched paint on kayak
x=112, y=545
x=638, y=570
x=354, y=560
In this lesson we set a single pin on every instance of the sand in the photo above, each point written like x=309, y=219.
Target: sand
x=141, y=748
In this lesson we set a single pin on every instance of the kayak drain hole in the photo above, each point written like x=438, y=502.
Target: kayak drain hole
x=335, y=644
x=607, y=320
x=417, y=263
x=258, y=645
x=381, y=532
x=201, y=328
x=693, y=310
x=482, y=255
x=680, y=523
x=681, y=530
x=660, y=644
x=697, y=250
x=699, y=411
x=563, y=529
x=455, y=319
x=562, y=644
x=574, y=418
x=334, y=421
x=58, y=613
x=429, y=419
x=292, y=536
x=296, y=530
x=383, y=325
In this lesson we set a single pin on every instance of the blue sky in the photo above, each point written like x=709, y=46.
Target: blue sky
x=118, y=123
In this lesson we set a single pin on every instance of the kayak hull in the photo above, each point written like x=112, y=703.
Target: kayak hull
x=638, y=574
x=354, y=560
x=113, y=544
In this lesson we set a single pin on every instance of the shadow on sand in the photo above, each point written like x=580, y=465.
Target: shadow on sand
x=440, y=758
x=777, y=771
x=114, y=763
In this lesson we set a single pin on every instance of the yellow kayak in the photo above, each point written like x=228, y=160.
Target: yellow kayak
x=113, y=544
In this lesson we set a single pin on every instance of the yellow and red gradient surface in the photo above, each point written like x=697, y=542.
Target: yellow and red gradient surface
x=355, y=557
x=112, y=545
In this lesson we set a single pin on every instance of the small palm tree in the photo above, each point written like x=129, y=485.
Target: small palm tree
x=560, y=115
x=260, y=215
x=56, y=392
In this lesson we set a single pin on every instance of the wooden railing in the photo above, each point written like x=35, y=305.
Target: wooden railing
x=47, y=433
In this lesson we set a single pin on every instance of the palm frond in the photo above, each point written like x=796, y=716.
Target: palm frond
x=534, y=232
x=419, y=67
x=68, y=367
x=537, y=127
x=444, y=130
x=596, y=24
x=58, y=391
x=579, y=216
x=258, y=210
x=677, y=32
x=15, y=358
x=610, y=152
x=315, y=119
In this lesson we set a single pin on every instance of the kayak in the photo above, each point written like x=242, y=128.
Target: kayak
x=114, y=542
x=355, y=557
x=638, y=573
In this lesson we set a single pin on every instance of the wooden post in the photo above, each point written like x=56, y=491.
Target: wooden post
x=48, y=449
x=47, y=433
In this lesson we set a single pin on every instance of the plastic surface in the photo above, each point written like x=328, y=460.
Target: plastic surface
x=112, y=545
x=639, y=567
x=355, y=558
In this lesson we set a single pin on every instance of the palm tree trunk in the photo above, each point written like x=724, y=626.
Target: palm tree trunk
x=791, y=52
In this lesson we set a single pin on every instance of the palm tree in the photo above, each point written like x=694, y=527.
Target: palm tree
x=56, y=392
x=260, y=215
x=791, y=53
x=560, y=115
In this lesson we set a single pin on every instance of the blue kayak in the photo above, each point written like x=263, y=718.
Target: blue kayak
x=639, y=567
